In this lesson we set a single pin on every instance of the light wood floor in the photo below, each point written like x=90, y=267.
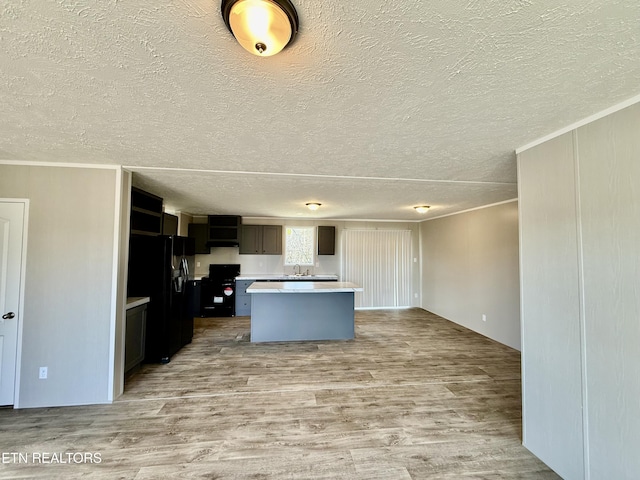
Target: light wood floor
x=413, y=397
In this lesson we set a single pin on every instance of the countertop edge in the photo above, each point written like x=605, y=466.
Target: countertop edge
x=283, y=277
x=303, y=287
x=133, y=302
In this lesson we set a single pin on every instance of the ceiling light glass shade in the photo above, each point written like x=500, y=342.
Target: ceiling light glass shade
x=313, y=206
x=262, y=27
x=422, y=208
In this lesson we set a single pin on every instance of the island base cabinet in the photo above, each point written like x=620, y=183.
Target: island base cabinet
x=243, y=305
x=243, y=299
x=280, y=317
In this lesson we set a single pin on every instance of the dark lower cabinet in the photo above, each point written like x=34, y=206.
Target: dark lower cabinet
x=135, y=329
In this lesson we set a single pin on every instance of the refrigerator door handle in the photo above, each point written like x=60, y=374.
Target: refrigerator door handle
x=185, y=267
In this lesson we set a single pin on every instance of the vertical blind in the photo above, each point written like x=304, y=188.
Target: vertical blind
x=379, y=261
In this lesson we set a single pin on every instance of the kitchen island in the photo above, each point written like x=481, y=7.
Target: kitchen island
x=244, y=281
x=290, y=311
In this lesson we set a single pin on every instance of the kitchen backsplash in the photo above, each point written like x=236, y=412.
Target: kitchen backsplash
x=325, y=264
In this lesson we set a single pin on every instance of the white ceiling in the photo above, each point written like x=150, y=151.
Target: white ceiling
x=376, y=106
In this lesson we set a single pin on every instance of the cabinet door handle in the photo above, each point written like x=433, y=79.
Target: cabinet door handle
x=8, y=316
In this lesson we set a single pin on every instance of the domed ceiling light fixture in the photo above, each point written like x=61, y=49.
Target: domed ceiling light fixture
x=422, y=208
x=313, y=206
x=262, y=27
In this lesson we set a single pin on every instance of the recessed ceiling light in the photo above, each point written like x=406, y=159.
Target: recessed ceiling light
x=262, y=27
x=422, y=208
x=313, y=206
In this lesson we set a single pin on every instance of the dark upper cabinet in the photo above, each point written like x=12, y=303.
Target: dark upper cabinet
x=326, y=240
x=169, y=224
x=189, y=246
x=261, y=239
x=250, y=239
x=272, y=239
x=146, y=213
x=200, y=232
x=224, y=230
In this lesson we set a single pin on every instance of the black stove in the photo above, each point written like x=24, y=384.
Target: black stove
x=218, y=290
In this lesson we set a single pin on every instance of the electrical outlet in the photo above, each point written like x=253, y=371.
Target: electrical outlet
x=42, y=374
x=197, y=264
x=484, y=317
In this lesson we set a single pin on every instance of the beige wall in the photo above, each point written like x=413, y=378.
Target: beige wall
x=67, y=316
x=550, y=307
x=184, y=219
x=609, y=179
x=580, y=231
x=470, y=269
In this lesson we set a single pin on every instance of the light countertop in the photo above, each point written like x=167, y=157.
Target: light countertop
x=285, y=277
x=133, y=302
x=303, y=287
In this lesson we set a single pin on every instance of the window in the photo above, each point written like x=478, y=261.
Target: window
x=299, y=243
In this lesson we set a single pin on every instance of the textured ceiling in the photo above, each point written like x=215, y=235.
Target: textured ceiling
x=376, y=106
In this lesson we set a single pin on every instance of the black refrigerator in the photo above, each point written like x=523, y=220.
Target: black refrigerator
x=161, y=267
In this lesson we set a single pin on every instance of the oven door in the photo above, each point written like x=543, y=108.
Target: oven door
x=218, y=298
x=229, y=291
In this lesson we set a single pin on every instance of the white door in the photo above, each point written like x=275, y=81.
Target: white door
x=11, y=231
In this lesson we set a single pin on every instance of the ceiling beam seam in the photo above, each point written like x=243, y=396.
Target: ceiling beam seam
x=309, y=175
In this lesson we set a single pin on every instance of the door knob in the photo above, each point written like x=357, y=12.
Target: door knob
x=9, y=315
